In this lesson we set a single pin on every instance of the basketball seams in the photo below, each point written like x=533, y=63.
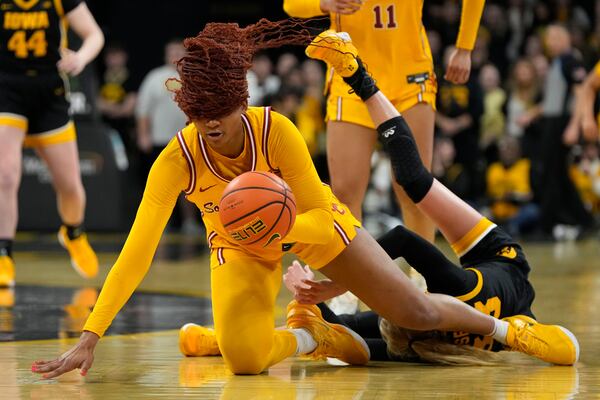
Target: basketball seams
x=283, y=185
x=249, y=213
x=266, y=175
x=251, y=187
x=274, y=208
x=272, y=226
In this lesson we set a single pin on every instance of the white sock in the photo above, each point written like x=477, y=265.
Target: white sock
x=500, y=330
x=305, y=342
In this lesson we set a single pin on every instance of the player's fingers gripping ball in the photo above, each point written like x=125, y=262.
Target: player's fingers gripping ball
x=257, y=209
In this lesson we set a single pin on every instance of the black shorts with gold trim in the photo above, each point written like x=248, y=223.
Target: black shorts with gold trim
x=36, y=103
x=496, y=245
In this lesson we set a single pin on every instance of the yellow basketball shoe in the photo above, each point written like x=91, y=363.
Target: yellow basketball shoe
x=551, y=343
x=7, y=271
x=198, y=341
x=333, y=340
x=83, y=257
x=336, y=49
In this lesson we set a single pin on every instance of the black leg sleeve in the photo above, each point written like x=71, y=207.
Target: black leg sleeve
x=441, y=274
x=378, y=349
x=365, y=323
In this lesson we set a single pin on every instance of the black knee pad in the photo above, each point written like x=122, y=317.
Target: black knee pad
x=409, y=171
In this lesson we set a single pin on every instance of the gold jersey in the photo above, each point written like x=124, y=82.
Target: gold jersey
x=210, y=173
x=391, y=41
x=188, y=164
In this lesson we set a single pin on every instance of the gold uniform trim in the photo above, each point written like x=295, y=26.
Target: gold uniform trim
x=14, y=120
x=476, y=289
x=63, y=23
x=474, y=236
x=63, y=134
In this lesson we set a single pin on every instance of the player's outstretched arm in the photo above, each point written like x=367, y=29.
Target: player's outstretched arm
x=168, y=177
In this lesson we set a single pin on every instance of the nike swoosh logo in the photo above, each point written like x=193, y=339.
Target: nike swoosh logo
x=201, y=189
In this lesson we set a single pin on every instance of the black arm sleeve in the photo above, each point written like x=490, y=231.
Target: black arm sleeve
x=441, y=274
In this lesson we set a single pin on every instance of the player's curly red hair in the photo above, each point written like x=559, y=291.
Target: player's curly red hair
x=212, y=80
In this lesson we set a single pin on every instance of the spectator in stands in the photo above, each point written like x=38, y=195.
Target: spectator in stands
x=285, y=64
x=261, y=81
x=117, y=97
x=523, y=108
x=523, y=100
x=493, y=120
x=446, y=170
x=313, y=107
x=494, y=20
x=586, y=176
x=509, y=190
x=159, y=118
x=560, y=202
x=459, y=108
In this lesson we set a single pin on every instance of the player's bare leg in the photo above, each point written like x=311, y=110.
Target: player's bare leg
x=62, y=160
x=11, y=142
x=349, y=150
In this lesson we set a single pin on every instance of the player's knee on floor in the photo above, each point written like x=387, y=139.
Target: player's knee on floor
x=244, y=361
x=244, y=356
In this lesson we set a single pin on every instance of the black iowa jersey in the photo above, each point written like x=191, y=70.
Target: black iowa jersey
x=502, y=289
x=33, y=31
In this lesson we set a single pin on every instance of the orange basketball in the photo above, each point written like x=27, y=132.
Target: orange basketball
x=257, y=208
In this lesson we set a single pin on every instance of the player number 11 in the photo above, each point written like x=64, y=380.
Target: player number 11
x=379, y=18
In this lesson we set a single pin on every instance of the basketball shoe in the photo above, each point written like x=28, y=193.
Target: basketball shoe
x=333, y=340
x=7, y=271
x=550, y=343
x=198, y=341
x=336, y=49
x=83, y=258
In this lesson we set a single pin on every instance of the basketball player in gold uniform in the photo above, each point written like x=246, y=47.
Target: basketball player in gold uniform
x=395, y=49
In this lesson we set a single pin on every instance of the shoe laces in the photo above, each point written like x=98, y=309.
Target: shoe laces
x=530, y=343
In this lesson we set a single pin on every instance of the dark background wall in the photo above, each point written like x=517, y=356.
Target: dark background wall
x=143, y=27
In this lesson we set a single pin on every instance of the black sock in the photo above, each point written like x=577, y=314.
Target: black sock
x=6, y=247
x=74, y=231
x=361, y=82
x=409, y=171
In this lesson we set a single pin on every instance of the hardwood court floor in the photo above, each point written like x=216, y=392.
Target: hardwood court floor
x=148, y=365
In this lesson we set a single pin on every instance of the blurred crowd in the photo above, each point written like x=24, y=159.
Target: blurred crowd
x=503, y=140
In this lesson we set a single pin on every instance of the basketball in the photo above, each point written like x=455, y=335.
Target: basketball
x=257, y=209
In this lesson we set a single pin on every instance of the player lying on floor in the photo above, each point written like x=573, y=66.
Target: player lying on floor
x=499, y=262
